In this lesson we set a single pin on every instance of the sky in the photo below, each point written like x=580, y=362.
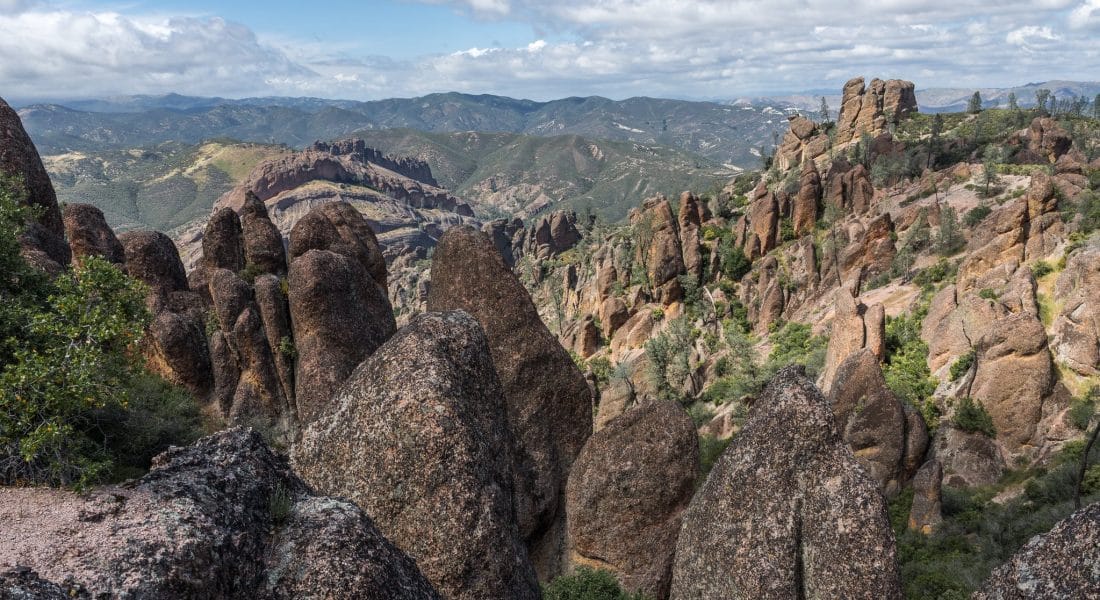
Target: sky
x=374, y=49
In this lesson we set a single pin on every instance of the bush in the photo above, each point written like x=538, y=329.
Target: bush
x=710, y=450
x=794, y=343
x=962, y=365
x=906, y=369
x=941, y=271
x=976, y=215
x=733, y=260
x=988, y=294
x=586, y=584
x=972, y=417
x=1081, y=411
x=1041, y=269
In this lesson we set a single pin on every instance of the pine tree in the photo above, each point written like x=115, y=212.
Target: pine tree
x=1012, y=104
x=1041, y=97
x=823, y=114
x=974, y=106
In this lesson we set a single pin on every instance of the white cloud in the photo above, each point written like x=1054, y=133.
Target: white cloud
x=617, y=48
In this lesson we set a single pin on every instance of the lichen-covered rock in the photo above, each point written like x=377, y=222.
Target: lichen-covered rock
x=1061, y=563
x=549, y=402
x=339, y=316
x=89, y=234
x=968, y=459
x=418, y=438
x=787, y=511
x=177, y=350
x=224, y=518
x=1076, y=340
x=222, y=246
x=626, y=493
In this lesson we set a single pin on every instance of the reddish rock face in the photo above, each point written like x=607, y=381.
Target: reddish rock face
x=222, y=247
x=89, y=234
x=807, y=201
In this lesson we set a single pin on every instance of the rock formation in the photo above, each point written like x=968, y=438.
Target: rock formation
x=1058, y=564
x=925, y=514
x=43, y=244
x=627, y=491
x=418, y=438
x=225, y=518
x=787, y=511
x=855, y=326
x=806, y=203
x=549, y=402
x=867, y=109
x=89, y=234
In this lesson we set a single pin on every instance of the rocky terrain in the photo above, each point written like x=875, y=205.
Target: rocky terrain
x=866, y=372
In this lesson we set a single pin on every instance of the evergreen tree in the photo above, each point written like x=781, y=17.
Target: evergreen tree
x=823, y=114
x=974, y=106
x=1012, y=104
x=1041, y=97
x=1096, y=107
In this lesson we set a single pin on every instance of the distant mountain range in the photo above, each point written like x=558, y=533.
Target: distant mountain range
x=720, y=132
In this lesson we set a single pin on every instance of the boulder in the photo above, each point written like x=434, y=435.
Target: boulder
x=787, y=511
x=1058, y=564
x=176, y=349
x=19, y=158
x=1047, y=139
x=549, y=402
x=263, y=244
x=659, y=249
x=90, y=235
x=152, y=258
x=968, y=459
x=870, y=419
x=925, y=514
x=418, y=438
x=627, y=491
x=222, y=244
x=339, y=316
x=855, y=326
x=764, y=220
x=224, y=518
x=339, y=228
x=690, y=221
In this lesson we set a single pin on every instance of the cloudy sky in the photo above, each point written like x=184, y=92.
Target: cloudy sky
x=702, y=49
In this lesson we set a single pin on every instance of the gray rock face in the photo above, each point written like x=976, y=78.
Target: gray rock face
x=418, y=438
x=1061, y=563
x=263, y=244
x=225, y=518
x=89, y=234
x=787, y=512
x=339, y=228
x=968, y=459
x=627, y=491
x=549, y=402
x=222, y=246
x=152, y=258
x=339, y=316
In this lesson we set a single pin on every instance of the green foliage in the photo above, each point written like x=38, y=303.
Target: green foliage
x=76, y=406
x=1041, y=269
x=669, y=354
x=974, y=105
x=710, y=450
x=988, y=294
x=962, y=365
x=976, y=215
x=733, y=260
x=794, y=343
x=1081, y=411
x=587, y=584
x=906, y=366
x=250, y=272
x=972, y=417
x=280, y=504
x=943, y=270
x=287, y=348
x=950, y=240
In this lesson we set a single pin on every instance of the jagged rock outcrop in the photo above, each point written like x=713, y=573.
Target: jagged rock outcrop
x=90, y=235
x=855, y=326
x=43, y=243
x=1047, y=140
x=503, y=233
x=872, y=422
x=627, y=490
x=926, y=515
x=152, y=258
x=850, y=189
x=339, y=228
x=224, y=518
x=690, y=221
x=787, y=511
x=418, y=437
x=1058, y=564
x=764, y=223
x=263, y=244
x=968, y=459
x=553, y=234
x=222, y=244
x=806, y=202
x=1076, y=340
x=867, y=109
x=658, y=248
x=549, y=402
x=802, y=143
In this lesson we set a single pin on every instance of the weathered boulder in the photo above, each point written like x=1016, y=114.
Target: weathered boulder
x=968, y=459
x=224, y=518
x=339, y=228
x=787, y=511
x=176, y=349
x=855, y=326
x=1076, y=340
x=1047, y=139
x=549, y=402
x=222, y=246
x=850, y=189
x=340, y=316
x=690, y=220
x=925, y=514
x=45, y=241
x=1058, y=564
x=274, y=309
x=262, y=242
x=418, y=438
x=90, y=235
x=764, y=220
x=152, y=258
x=626, y=493
x=870, y=419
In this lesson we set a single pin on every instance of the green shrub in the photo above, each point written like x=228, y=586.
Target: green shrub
x=906, y=366
x=587, y=584
x=1081, y=411
x=972, y=417
x=794, y=343
x=988, y=294
x=962, y=365
x=1041, y=269
x=710, y=450
x=733, y=261
x=976, y=215
x=287, y=348
x=943, y=270
x=250, y=272
x=280, y=504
